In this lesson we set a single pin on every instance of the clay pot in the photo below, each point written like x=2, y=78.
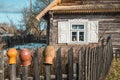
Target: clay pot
x=25, y=57
x=12, y=54
x=49, y=54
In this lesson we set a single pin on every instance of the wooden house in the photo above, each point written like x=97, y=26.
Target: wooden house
x=74, y=22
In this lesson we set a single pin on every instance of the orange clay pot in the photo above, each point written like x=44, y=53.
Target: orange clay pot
x=49, y=54
x=12, y=54
x=25, y=57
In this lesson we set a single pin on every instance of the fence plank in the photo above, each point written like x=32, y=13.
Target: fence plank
x=80, y=64
x=59, y=65
x=89, y=64
x=12, y=72
x=47, y=72
x=70, y=64
x=94, y=64
x=24, y=74
x=86, y=62
x=36, y=67
x=1, y=66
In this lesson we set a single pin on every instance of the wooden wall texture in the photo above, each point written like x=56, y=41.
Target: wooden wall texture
x=109, y=23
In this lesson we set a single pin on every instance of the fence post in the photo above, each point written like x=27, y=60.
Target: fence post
x=1, y=65
x=47, y=72
x=36, y=68
x=70, y=64
x=86, y=62
x=25, y=57
x=80, y=64
x=49, y=56
x=59, y=65
x=24, y=73
x=12, y=54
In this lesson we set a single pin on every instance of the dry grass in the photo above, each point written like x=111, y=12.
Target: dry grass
x=114, y=73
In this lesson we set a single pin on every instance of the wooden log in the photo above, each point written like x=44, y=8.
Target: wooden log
x=59, y=65
x=70, y=64
x=1, y=65
x=36, y=67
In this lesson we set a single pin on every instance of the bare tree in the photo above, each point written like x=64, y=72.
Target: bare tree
x=29, y=16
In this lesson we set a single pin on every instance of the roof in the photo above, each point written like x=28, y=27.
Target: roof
x=75, y=6
x=87, y=8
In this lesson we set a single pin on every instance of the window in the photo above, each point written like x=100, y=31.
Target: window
x=78, y=31
x=74, y=36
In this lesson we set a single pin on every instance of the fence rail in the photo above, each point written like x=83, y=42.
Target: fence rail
x=93, y=64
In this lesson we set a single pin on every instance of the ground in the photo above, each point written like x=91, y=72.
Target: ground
x=114, y=72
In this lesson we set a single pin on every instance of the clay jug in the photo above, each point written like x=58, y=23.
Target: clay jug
x=12, y=54
x=25, y=57
x=49, y=54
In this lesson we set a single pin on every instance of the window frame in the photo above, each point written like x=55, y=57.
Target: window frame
x=91, y=27
x=84, y=23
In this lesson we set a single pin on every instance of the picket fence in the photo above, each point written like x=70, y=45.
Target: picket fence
x=93, y=64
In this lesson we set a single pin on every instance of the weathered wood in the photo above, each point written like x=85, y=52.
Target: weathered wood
x=12, y=72
x=47, y=72
x=92, y=63
x=80, y=59
x=53, y=77
x=70, y=64
x=86, y=62
x=89, y=63
x=1, y=65
x=24, y=74
x=36, y=67
x=59, y=65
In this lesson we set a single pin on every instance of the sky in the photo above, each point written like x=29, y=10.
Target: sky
x=11, y=10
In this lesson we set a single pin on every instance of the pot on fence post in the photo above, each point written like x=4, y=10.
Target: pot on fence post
x=25, y=57
x=12, y=54
x=49, y=54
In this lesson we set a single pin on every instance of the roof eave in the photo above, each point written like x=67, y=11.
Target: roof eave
x=42, y=13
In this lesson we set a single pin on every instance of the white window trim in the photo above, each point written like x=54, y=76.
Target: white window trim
x=88, y=34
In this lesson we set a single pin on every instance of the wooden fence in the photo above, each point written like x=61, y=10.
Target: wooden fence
x=93, y=64
x=23, y=39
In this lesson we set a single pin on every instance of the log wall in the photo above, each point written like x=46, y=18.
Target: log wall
x=109, y=24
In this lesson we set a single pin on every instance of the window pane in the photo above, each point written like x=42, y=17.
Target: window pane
x=74, y=36
x=80, y=26
x=74, y=27
x=81, y=36
x=77, y=26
